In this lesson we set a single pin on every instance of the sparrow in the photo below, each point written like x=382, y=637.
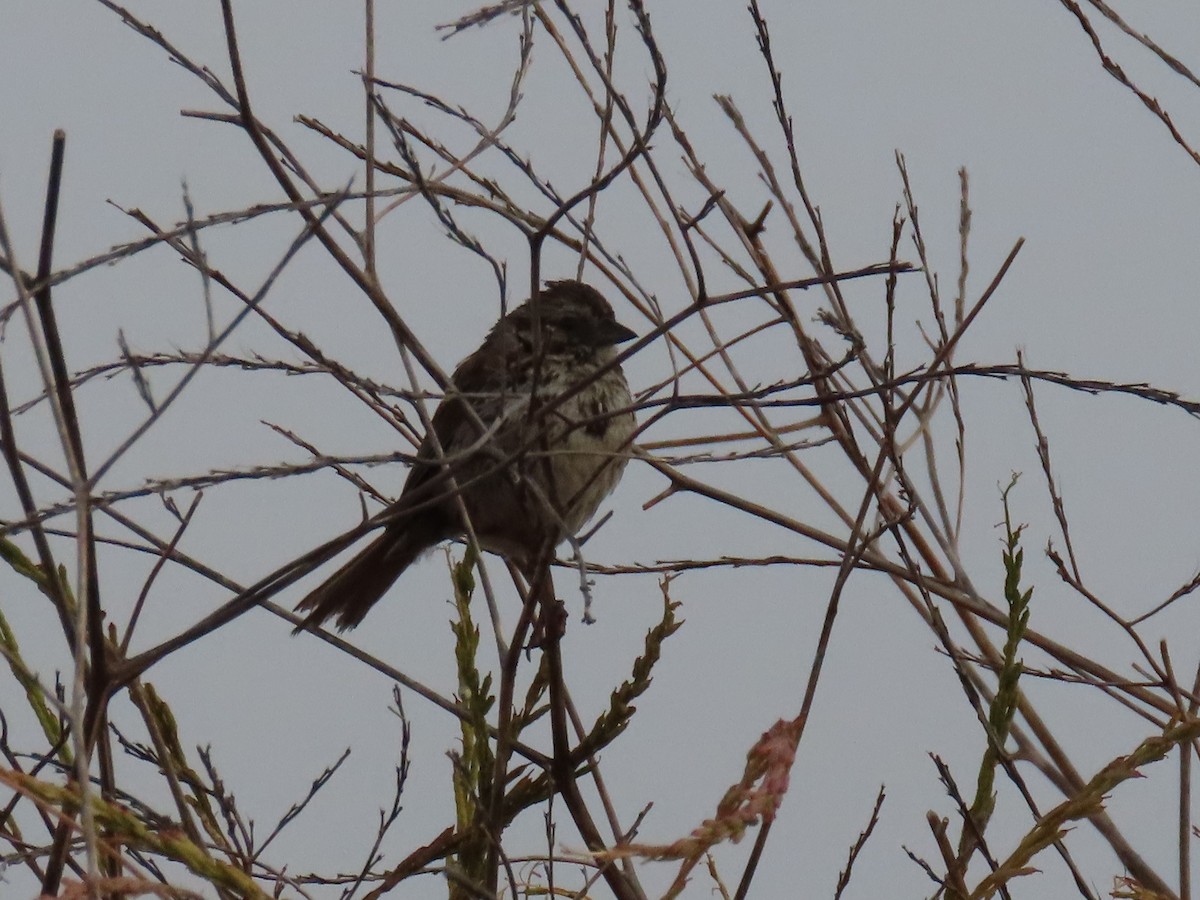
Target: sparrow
x=530, y=437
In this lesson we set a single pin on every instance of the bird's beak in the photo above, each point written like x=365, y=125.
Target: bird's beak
x=614, y=333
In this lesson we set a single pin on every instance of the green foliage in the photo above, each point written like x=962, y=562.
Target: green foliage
x=160, y=721
x=473, y=767
x=130, y=829
x=1004, y=704
x=620, y=706
x=11, y=650
x=1087, y=802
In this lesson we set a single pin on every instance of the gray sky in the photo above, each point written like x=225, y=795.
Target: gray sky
x=1104, y=287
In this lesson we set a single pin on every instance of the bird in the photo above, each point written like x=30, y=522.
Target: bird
x=530, y=437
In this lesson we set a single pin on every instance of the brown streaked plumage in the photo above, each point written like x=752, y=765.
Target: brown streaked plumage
x=530, y=476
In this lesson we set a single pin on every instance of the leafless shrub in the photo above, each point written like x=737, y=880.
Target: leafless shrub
x=746, y=377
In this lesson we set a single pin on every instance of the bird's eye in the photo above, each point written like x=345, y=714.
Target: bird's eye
x=575, y=325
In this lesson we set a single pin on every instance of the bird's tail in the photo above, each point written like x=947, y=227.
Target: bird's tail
x=350, y=592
